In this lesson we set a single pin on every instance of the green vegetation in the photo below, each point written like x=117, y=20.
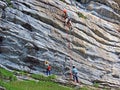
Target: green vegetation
x=6, y=75
x=22, y=73
x=32, y=85
x=9, y=81
x=96, y=84
x=84, y=88
x=81, y=15
x=62, y=0
x=9, y=3
x=43, y=78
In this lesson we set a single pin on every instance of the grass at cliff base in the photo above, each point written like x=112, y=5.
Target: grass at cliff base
x=10, y=82
x=32, y=85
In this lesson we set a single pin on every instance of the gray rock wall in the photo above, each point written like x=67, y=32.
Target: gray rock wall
x=33, y=31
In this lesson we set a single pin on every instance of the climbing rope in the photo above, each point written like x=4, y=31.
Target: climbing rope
x=69, y=47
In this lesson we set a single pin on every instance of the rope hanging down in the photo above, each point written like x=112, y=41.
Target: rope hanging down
x=69, y=47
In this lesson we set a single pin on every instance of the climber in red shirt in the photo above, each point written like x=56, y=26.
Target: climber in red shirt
x=48, y=70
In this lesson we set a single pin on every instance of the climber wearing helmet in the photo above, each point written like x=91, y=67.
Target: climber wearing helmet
x=65, y=13
x=67, y=18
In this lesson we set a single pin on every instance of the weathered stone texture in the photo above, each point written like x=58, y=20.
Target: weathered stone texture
x=33, y=31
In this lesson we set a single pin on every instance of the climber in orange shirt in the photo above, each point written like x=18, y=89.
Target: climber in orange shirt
x=67, y=18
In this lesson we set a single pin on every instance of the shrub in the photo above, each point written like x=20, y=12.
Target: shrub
x=81, y=15
x=9, y=3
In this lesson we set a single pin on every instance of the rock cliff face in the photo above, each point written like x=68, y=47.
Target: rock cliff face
x=33, y=31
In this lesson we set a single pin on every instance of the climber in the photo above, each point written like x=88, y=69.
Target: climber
x=75, y=74
x=67, y=19
x=65, y=13
x=48, y=70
